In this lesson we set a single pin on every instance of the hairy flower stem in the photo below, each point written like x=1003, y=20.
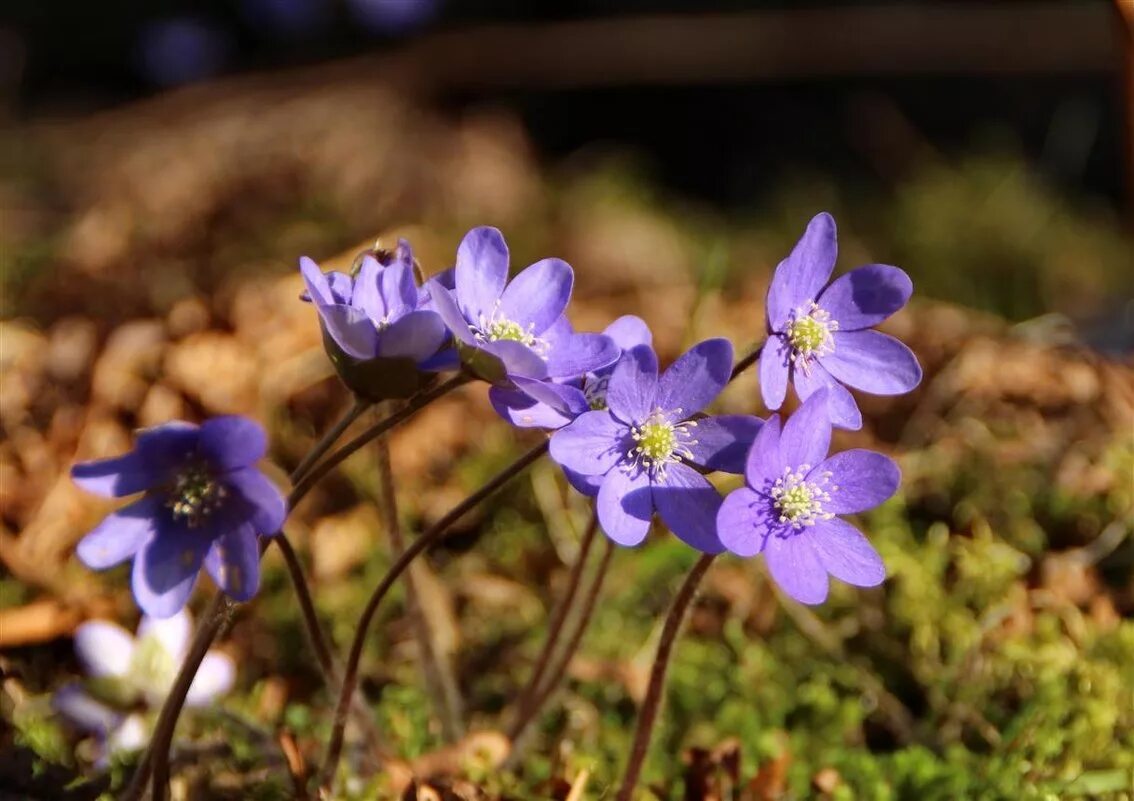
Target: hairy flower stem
x=746, y=362
x=555, y=676
x=439, y=680
x=413, y=405
x=524, y=707
x=433, y=535
x=648, y=714
x=328, y=439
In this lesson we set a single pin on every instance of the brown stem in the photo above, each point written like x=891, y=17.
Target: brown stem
x=433, y=535
x=746, y=362
x=555, y=676
x=328, y=439
x=439, y=679
x=649, y=711
x=311, y=622
x=524, y=711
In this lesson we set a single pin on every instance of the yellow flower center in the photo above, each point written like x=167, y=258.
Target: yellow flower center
x=658, y=442
x=800, y=501
x=809, y=333
x=196, y=494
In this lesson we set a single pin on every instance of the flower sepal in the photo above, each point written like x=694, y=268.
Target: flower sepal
x=379, y=379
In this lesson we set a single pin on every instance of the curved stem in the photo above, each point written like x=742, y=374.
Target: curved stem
x=328, y=439
x=524, y=708
x=433, y=535
x=413, y=405
x=555, y=676
x=649, y=711
x=746, y=362
x=311, y=622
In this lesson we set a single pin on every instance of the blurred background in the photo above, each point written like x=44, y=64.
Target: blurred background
x=163, y=165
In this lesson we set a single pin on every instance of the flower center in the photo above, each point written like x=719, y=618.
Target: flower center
x=659, y=442
x=498, y=328
x=152, y=669
x=196, y=495
x=809, y=333
x=799, y=501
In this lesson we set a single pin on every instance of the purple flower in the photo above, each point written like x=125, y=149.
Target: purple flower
x=204, y=503
x=818, y=332
x=378, y=313
x=507, y=329
x=127, y=671
x=644, y=446
x=793, y=492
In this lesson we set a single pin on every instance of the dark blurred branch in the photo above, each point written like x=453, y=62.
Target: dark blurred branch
x=1126, y=76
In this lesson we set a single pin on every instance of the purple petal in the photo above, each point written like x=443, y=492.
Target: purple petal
x=864, y=480
x=481, y=272
x=442, y=300
x=351, y=330
x=845, y=553
x=121, y=534
x=795, y=566
x=873, y=362
x=398, y=289
x=366, y=296
x=578, y=354
x=764, y=464
x=417, y=335
x=172, y=632
x=634, y=384
x=166, y=569
x=447, y=359
x=841, y=407
x=72, y=702
x=625, y=506
x=342, y=287
x=132, y=734
x=214, y=678
x=518, y=359
x=269, y=509
x=628, y=331
x=742, y=522
x=157, y=452
x=866, y=296
x=799, y=278
x=232, y=441
x=234, y=563
x=688, y=505
x=103, y=648
x=566, y=399
x=318, y=287
x=537, y=296
x=806, y=436
x=524, y=411
x=591, y=445
x=723, y=442
x=774, y=365
x=693, y=381
x=587, y=485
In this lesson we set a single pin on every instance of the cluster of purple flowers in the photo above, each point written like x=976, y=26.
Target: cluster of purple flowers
x=635, y=438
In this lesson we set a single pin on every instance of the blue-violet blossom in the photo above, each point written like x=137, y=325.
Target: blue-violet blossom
x=643, y=447
x=818, y=332
x=793, y=494
x=205, y=503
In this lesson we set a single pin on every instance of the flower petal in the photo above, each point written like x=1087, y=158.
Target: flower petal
x=795, y=566
x=591, y=445
x=774, y=366
x=742, y=522
x=233, y=561
x=846, y=554
x=578, y=354
x=416, y=335
x=764, y=463
x=866, y=296
x=366, y=295
x=633, y=384
x=318, y=287
x=214, y=678
x=481, y=272
x=103, y=648
x=131, y=734
x=398, y=289
x=587, y=485
x=864, y=480
x=445, y=305
x=524, y=411
x=158, y=451
x=166, y=569
x=625, y=506
x=81, y=710
x=351, y=330
x=722, y=442
x=799, y=278
x=269, y=509
x=566, y=399
x=688, y=505
x=518, y=359
x=806, y=436
x=537, y=296
x=232, y=441
x=693, y=381
x=628, y=331
x=841, y=407
x=172, y=632
x=121, y=534
x=873, y=362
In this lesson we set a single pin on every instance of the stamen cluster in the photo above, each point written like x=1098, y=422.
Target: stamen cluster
x=800, y=501
x=196, y=495
x=659, y=442
x=809, y=333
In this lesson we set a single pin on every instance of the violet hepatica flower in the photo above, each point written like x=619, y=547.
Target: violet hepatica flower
x=383, y=336
x=819, y=333
x=789, y=508
x=643, y=448
x=514, y=328
x=204, y=504
x=127, y=672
